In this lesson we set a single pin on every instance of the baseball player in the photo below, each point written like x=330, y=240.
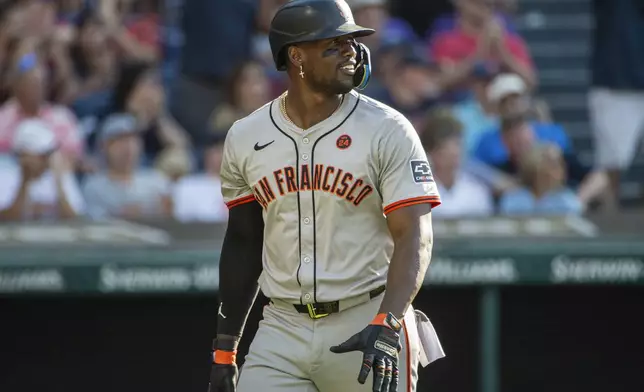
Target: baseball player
x=330, y=195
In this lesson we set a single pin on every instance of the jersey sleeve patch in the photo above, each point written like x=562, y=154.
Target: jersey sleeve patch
x=420, y=171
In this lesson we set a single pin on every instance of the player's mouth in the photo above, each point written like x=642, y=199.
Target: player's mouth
x=348, y=68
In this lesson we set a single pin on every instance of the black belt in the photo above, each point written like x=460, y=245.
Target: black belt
x=323, y=309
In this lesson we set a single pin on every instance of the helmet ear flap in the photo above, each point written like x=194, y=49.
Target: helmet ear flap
x=363, y=67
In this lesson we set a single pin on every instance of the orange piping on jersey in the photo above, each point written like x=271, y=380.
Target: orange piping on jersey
x=240, y=201
x=408, y=354
x=433, y=200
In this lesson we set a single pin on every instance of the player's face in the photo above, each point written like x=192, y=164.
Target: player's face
x=329, y=65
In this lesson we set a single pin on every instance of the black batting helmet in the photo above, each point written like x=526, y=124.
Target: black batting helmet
x=310, y=20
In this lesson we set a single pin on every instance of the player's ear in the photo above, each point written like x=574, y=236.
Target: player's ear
x=295, y=56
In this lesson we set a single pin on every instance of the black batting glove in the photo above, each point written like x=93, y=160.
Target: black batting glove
x=380, y=344
x=224, y=372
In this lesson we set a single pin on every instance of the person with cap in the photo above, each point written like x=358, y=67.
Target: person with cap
x=330, y=196
x=121, y=189
x=41, y=186
x=415, y=84
x=509, y=96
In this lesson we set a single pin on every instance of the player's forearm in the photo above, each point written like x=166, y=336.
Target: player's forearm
x=239, y=271
x=409, y=263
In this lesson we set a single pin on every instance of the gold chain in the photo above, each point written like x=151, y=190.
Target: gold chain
x=283, y=108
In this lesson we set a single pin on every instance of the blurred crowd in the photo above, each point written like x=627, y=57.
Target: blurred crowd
x=97, y=119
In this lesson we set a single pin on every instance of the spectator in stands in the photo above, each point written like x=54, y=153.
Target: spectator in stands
x=248, y=90
x=477, y=114
x=140, y=93
x=56, y=50
x=174, y=163
x=41, y=185
x=479, y=40
x=461, y=194
x=449, y=21
x=616, y=98
x=69, y=12
x=122, y=189
x=519, y=138
x=392, y=37
x=29, y=84
x=133, y=28
x=506, y=7
x=198, y=197
x=261, y=46
x=390, y=30
x=414, y=86
x=507, y=96
x=542, y=171
x=218, y=37
x=95, y=66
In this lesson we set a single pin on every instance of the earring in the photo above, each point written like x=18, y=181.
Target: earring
x=301, y=72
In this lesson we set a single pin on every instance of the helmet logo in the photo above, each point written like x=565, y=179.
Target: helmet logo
x=345, y=11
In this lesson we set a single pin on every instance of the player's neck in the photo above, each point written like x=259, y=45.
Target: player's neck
x=305, y=109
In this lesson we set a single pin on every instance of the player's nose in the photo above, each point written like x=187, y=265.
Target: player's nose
x=348, y=49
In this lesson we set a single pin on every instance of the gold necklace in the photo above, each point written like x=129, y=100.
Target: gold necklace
x=283, y=108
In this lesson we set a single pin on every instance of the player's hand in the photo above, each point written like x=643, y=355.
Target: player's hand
x=224, y=372
x=380, y=344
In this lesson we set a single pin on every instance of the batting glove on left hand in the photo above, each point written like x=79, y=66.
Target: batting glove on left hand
x=224, y=372
x=380, y=344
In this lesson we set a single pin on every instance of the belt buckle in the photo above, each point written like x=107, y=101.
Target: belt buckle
x=313, y=314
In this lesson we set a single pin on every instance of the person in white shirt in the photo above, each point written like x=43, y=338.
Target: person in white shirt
x=197, y=198
x=122, y=189
x=462, y=194
x=39, y=185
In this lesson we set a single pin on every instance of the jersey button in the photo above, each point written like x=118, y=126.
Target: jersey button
x=305, y=157
x=307, y=221
x=307, y=296
x=305, y=140
x=306, y=259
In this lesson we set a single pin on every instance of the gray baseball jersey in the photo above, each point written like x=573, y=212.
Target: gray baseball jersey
x=325, y=193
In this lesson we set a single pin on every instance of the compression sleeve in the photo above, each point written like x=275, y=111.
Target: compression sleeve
x=240, y=267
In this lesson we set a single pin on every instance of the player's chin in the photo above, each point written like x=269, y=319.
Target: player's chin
x=343, y=85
